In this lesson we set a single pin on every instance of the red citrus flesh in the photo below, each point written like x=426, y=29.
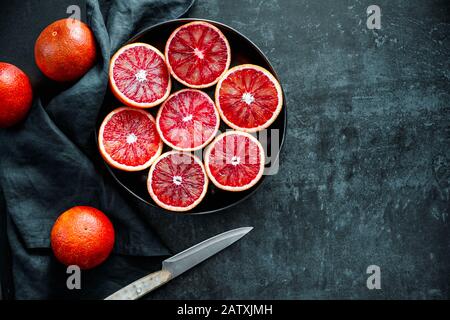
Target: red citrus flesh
x=16, y=95
x=234, y=161
x=198, y=54
x=188, y=120
x=128, y=139
x=139, y=76
x=177, y=181
x=248, y=98
x=82, y=236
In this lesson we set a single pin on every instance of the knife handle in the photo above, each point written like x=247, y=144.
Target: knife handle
x=142, y=286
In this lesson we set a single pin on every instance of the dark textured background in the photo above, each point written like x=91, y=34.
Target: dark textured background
x=365, y=171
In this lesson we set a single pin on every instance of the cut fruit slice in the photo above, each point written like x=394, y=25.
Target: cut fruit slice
x=177, y=181
x=234, y=161
x=248, y=98
x=128, y=139
x=198, y=54
x=139, y=76
x=188, y=120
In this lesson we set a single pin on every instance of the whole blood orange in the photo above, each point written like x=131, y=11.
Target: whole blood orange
x=82, y=236
x=65, y=50
x=15, y=95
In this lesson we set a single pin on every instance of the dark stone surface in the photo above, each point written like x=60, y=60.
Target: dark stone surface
x=365, y=173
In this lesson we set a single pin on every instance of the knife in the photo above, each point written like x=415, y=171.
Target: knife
x=179, y=263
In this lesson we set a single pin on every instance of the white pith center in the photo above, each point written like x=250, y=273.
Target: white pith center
x=248, y=98
x=141, y=75
x=131, y=138
x=235, y=160
x=198, y=53
x=177, y=180
x=187, y=118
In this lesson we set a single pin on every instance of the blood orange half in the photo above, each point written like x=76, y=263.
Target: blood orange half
x=188, y=120
x=128, y=139
x=248, y=98
x=177, y=181
x=198, y=54
x=234, y=161
x=139, y=76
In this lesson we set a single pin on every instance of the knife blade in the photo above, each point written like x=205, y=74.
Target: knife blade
x=179, y=263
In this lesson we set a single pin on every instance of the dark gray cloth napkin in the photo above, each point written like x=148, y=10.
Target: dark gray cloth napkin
x=50, y=163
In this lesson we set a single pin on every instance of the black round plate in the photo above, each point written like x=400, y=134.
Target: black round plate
x=242, y=51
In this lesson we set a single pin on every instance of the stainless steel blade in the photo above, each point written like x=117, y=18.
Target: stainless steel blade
x=187, y=259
